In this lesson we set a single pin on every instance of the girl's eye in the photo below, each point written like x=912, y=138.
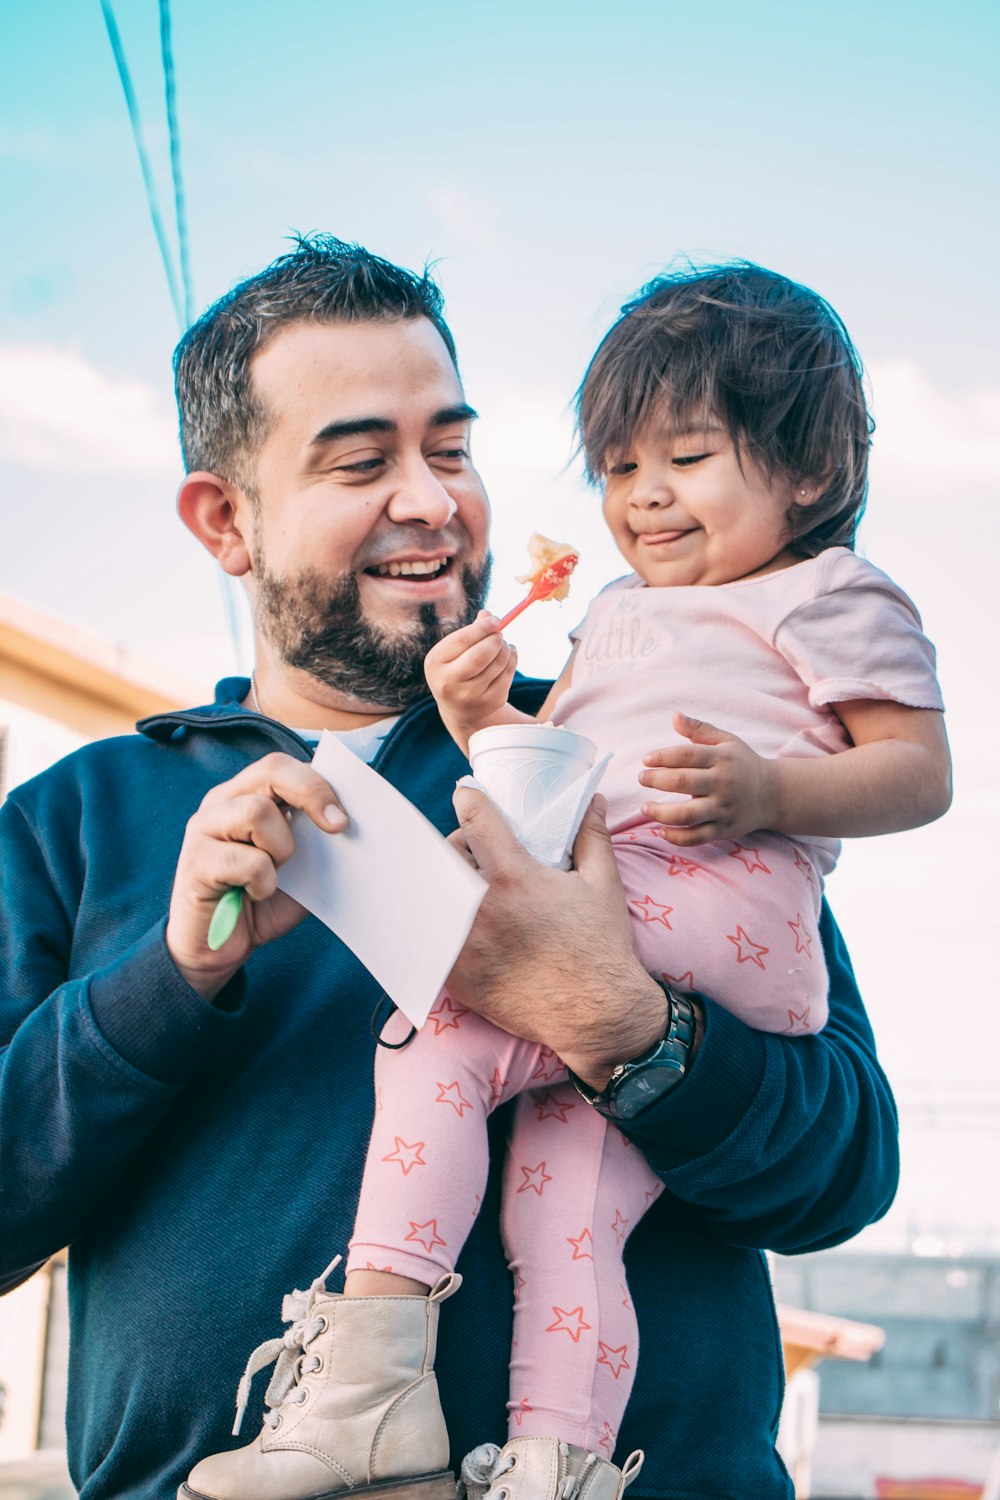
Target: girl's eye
x=688, y=459
x=626, y=468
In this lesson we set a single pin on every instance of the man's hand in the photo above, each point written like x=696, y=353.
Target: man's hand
x=238, y=837
x=550, y=957
x=470, y=672
x=732, y=789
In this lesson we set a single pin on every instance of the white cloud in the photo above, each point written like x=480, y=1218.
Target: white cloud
x=922, y=427
x=465, y=215
x=58, y=411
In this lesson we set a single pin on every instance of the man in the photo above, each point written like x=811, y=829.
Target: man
x=194, y=1123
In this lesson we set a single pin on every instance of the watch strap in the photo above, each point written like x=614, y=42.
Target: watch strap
x=638, y=1083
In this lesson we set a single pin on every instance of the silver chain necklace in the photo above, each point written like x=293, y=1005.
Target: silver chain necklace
x=253, y=695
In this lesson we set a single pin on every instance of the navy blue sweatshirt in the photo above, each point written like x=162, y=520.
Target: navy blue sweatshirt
x=201, y=1160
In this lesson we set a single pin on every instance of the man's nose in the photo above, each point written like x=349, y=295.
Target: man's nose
x=421, y=499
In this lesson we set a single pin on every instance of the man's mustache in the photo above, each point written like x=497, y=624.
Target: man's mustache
x=453, y=539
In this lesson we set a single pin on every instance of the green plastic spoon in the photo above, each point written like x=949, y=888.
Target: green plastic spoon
x=224, y=918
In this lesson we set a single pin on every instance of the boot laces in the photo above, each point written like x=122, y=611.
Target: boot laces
x=288, y=1350
x=480, y=1468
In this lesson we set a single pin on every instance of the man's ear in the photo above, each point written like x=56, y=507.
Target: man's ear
x=218, y=514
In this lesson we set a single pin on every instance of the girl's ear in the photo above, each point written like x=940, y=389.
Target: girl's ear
x=217, y=513
x=808, y=491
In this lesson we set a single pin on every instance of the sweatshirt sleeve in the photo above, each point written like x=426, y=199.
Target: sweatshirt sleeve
x=781, y=1143
x=88, y=1064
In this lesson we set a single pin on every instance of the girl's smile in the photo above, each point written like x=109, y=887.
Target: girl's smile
x=683, y=511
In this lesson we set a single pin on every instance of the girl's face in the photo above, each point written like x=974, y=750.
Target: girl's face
x=682, y=512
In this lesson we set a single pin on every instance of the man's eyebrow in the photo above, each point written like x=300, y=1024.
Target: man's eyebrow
x=449, y=415
x=357, y=426
x=351, y=428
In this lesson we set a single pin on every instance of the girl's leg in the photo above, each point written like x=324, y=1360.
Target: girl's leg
x=428, y=1156
x=574, y=1188
x=737, y=920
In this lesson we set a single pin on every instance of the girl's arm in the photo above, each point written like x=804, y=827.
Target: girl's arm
x=896, y=775
x=470, y=673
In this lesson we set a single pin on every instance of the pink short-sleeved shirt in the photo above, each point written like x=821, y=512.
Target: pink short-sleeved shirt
x=763, y=658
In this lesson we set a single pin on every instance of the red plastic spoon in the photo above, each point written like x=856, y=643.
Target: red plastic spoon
x=548, y=580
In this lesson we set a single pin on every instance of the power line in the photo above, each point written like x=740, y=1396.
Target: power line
x=140, y=145
x=166, y=53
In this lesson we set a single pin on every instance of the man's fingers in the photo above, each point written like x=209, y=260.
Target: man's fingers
x=488, y=836
x=592, y=854
x=293, y=783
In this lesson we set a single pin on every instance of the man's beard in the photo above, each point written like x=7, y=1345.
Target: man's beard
x=319, y=627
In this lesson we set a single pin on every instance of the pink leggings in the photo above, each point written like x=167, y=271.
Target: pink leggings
x=738, y=921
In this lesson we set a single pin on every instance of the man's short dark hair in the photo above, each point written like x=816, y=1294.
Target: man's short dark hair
x=322, y=280
x=767, y=358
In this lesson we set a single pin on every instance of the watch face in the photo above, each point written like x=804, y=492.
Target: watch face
x=639, y=1090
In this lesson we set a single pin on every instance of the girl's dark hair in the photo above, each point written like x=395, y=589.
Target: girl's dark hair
x=769, y=359
x=322, y=280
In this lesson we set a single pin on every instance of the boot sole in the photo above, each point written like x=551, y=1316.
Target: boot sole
x=439, y=1486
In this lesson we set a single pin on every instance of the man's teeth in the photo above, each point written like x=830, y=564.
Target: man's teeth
x=410, y=569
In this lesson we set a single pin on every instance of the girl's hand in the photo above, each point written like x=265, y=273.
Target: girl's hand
x=732, y=789
x=470, y=673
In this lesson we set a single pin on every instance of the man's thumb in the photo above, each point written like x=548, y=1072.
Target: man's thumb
x=592, y=853
x=487, y=832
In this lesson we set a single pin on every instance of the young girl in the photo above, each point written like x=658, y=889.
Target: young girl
x=774, y=693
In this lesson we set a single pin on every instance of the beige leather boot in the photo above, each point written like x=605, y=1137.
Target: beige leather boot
x=353, y=1406
x=535, y=1468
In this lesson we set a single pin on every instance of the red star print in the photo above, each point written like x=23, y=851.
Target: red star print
x=653, y=1193
x=803, y=941
x=535, y=1178
x=804, y=864
x=607, y=1439
x=755, y=950
x=749, y=857
x=518, y=1411
x=619, y=1225
x=583, y=1245
x=653, y=911
x=408, y=1156
x=625, y=1302
x=427, y=1240
x=548, y=1066
x=446, y=1013
x=476, y=1208
x=451, y=1093
x=519, y=1284
x=574, y=1323
x=682, y=981
x=797, y=1022
x=681, y=866
x=550, y=1109
x=613, y=1358
x=370, y=1266
x=497, y=1086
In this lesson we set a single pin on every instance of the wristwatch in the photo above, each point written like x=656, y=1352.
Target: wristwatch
x=635, y=1085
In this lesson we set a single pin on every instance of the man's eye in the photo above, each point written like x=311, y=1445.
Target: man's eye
x=454, y=455
x=687, y=459
x=361, y=466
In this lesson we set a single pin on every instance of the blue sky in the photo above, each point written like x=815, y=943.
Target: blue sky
x=550, y=157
